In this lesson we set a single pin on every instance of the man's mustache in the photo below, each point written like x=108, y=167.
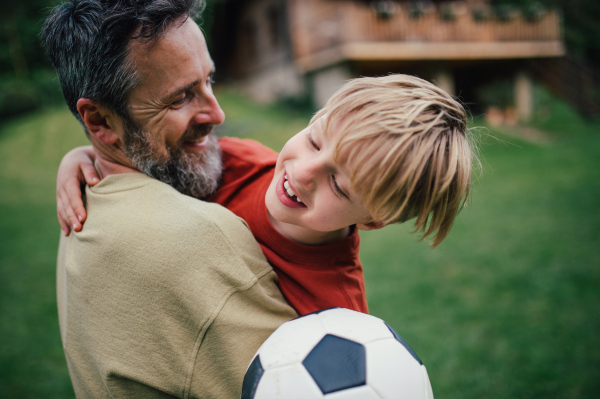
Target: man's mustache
x=197, y=132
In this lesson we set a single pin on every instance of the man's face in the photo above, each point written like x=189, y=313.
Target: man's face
x=174, y=110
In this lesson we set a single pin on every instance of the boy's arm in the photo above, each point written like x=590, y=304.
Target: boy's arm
x=76, y=169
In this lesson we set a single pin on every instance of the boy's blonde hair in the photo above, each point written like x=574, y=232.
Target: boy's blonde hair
x=405, y=144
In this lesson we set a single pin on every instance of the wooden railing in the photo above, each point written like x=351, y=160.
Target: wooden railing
x=320, y=24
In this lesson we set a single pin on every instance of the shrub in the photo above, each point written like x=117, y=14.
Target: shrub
x=19, y=96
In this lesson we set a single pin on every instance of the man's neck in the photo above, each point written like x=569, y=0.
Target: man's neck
x=114, y=163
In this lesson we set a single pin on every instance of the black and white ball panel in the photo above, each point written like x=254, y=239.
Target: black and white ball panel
x=252, y=377
x=336, y=354
x=337, y=363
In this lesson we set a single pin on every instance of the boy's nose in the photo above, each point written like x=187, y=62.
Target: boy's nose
x=307, y=173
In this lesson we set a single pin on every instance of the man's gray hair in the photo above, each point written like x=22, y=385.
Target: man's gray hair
x=88, y=42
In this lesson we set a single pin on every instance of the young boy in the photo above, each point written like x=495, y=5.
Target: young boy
x=382, y=150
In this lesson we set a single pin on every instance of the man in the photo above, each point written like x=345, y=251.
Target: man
x=161, y=295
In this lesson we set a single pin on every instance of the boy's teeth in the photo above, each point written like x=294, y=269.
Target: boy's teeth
x=289, y=190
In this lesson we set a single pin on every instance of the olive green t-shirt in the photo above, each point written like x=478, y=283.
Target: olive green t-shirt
x=162, y=295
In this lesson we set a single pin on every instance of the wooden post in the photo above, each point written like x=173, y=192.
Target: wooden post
x=445, y=81
x=523, y=96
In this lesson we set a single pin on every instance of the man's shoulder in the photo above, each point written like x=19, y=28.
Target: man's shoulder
x=144, y=222
x=136, y=202
x=124, y=189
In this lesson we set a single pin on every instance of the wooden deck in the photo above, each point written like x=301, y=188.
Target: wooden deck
x=325, y=32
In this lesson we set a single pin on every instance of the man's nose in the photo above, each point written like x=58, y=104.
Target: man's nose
x=209, y=111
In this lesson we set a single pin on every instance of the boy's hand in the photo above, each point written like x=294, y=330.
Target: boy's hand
x=75, y=170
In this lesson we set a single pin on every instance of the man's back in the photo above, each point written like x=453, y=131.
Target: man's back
x=162, y=295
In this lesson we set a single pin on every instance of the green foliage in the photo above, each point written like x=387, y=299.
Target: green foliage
x=207, y=19
x=534, y=12
x=505, y=12
x=417, y=9
x=482, y=12
x=447, y=12
x=27, y=80
x=18, y=95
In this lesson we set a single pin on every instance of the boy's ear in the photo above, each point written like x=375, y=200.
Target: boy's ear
x=100, y=122
x=371, y=225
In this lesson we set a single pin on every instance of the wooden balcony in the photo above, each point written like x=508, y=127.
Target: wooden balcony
x=325, y=32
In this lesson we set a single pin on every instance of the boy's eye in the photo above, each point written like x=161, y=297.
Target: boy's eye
x=311, y=142
x=337, y=188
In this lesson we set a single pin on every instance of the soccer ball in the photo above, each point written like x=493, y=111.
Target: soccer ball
x=336, y=354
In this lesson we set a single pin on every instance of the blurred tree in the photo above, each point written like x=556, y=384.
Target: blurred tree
x=20, y=48
x=27, y=80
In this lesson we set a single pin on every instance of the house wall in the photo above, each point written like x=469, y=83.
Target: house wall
x=325, y=82
x=262, y=59
x=273, y=82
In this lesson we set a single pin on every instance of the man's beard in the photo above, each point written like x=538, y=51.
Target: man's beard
x=194, y=174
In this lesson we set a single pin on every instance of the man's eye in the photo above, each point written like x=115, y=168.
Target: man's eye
x=210, y=81
x=181, y=100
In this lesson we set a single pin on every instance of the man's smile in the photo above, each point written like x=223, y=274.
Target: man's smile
x=196, y=144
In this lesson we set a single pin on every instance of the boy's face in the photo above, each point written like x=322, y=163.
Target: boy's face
x=309, y=189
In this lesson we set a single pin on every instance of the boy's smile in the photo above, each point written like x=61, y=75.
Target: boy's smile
x=311, y=191
x=287, y=194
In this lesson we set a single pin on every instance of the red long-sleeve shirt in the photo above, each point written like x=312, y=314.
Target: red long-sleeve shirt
x=310, y=277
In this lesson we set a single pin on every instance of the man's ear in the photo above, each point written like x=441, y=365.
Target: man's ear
x=371, y=225
x=99, y=121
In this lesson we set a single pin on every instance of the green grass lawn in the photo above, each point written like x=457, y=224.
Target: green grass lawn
x=507, y=307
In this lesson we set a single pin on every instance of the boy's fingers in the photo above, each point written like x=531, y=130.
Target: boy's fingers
x=66, y=211
x=62, y=217
x=72, y=218
x=90, y=174
x=64, y=228
x=73, y=200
